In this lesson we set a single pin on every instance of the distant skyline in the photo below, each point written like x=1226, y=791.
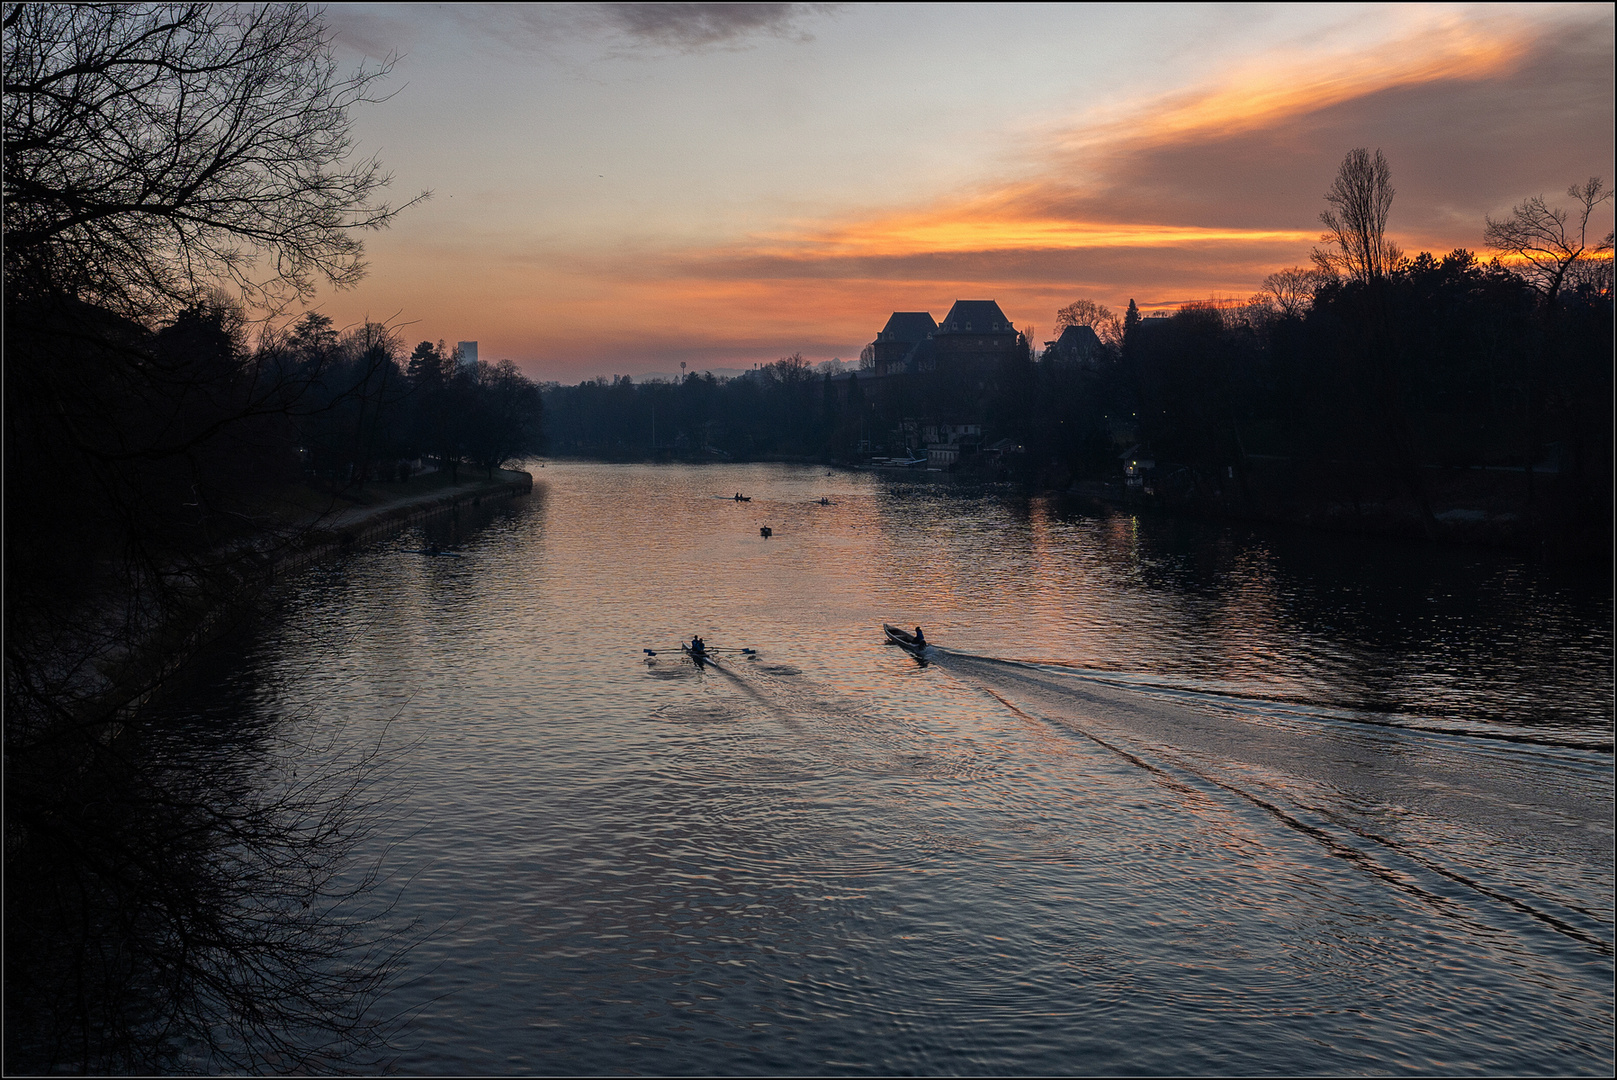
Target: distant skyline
x=619, y=188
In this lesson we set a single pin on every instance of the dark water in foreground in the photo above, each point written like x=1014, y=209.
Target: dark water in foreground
x=1169, y=797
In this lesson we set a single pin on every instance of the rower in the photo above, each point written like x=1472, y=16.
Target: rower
x=697, y=645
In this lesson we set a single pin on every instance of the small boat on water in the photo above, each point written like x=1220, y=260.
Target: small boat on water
x=699, y=656
x=904, y=638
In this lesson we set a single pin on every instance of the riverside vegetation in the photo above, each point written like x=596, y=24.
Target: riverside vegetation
x=178, y=179
x=1440, y=397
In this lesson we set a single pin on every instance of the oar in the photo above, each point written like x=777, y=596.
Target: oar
x=745, y=652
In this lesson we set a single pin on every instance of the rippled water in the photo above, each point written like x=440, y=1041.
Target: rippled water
x=1167, y=797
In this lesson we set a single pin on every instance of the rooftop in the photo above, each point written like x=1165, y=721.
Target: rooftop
x=976, y=317
x=911, y=326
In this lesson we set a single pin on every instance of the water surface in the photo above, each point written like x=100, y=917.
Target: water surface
x=1168, y=796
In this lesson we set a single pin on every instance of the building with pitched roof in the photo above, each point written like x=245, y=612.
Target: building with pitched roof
x=904, y=330
x=975, y=333
x=1077, y=344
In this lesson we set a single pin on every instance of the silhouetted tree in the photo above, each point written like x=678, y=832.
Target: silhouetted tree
x=156, y=149
x=1548, y=255
x=1536, y=234
x=1292, y=289
x=164, y=165
x=1356, y=221
x=502, y=421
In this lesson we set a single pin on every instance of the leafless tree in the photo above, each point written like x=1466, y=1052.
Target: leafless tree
x=1356, y=222
x=155, y=150
x=790, y=371
x=154, y=155
x=192, y=893
x=1542, y=249
x=1107, y=326
x=1291, y=289
x=1549, y=256
x=1082, y=313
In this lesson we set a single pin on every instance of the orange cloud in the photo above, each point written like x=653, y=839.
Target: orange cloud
x=1001, y=223
x=1267, y=91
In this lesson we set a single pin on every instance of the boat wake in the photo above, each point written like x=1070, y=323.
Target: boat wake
x=1291, y=711
x=1467, y=828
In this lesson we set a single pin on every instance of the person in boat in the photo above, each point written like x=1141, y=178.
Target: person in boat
x=920, y=638
x=698, y=645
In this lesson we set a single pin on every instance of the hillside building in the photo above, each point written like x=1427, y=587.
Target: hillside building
x=1077, y=345
x=975, y=334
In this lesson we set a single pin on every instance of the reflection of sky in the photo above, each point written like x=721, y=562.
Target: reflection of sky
x=619, y=188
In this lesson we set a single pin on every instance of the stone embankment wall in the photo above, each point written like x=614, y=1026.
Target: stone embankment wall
x=357, y=527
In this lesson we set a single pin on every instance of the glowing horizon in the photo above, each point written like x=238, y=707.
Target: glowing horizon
x=608, y=202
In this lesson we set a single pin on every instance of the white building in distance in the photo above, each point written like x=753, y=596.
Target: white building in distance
x=468, y=353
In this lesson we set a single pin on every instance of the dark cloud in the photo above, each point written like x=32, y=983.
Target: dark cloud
x=377, y=35
x=695, y=27
x=546, y=29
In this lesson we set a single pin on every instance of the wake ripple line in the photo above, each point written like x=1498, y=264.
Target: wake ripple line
x=1430, y=725
x=1360, y=860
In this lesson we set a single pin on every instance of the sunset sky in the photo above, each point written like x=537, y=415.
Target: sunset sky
x=619, y=188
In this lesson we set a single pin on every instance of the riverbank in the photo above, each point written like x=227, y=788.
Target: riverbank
x=1546, y=516
x=100, y=822
x=118, y=652
x=378, y=510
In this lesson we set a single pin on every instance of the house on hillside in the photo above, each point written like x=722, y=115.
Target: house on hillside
x=974, y=334
x=1076, y=345
x=904, y=330
x=945, y=443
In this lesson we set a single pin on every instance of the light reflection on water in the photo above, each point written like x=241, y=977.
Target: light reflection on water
x=1215, y=825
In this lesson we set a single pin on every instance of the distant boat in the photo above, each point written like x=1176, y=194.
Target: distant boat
x=904, y=638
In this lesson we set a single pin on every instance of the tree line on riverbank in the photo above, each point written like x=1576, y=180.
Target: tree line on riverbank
x=178, y=180
x=175, y=184
x=1367, y=381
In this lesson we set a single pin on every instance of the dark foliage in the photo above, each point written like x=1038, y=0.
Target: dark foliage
x=1354, y=392
x=166, y=165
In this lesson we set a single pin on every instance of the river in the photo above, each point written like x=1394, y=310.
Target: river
x=1168, y=796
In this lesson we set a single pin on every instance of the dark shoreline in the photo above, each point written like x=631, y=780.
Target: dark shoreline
x=147, y=667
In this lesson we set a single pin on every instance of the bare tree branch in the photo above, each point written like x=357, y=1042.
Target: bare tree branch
x=1356, y=223
x=1292, y=289
x=1545, y=251
x=1107, y=326
x=155, y=151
